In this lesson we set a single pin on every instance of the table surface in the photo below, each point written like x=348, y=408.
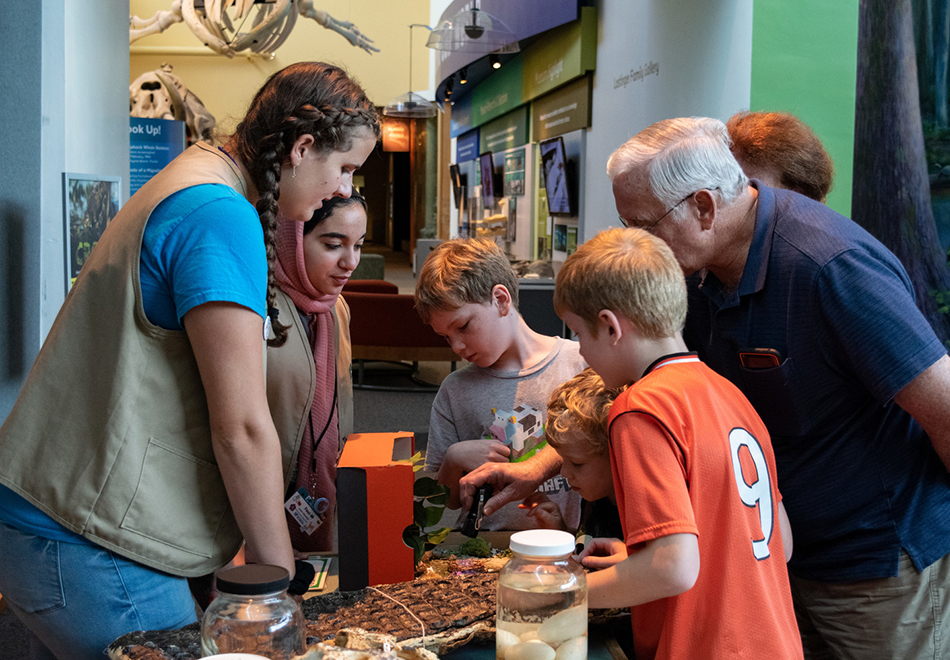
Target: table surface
x=497, y=540
x=602, y=644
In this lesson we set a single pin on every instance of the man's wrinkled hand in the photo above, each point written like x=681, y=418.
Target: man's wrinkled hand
x=512, y=482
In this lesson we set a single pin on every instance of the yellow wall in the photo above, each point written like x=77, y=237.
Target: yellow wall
x=226, y=86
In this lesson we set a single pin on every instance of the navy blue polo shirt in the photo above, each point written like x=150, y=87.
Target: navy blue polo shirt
x=859, y=477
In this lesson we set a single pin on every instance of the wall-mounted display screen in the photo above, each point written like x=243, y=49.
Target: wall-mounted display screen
x=458, y=180
x=487, y=169
x=554, y=165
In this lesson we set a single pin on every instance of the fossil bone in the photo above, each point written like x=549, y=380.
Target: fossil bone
x=160, y=94
x=213, y=21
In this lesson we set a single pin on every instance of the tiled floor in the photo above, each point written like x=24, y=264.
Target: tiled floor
x=398, y=267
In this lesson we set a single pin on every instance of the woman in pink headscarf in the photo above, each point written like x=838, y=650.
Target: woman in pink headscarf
x=314, y=260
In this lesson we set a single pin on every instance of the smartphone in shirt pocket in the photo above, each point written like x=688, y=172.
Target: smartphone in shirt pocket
x=760, y=358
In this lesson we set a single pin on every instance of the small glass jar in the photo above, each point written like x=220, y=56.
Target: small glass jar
x=253, y=614
x=542, y=600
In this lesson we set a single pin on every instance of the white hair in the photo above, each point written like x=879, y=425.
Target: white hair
x=682, y=156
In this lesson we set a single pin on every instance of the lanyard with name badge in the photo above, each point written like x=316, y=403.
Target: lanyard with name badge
x=310, y=512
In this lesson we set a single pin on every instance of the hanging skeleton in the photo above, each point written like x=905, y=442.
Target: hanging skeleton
x=160, y=94
x=271, y=24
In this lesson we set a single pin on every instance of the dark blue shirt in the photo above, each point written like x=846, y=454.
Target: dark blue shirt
x=859, y=477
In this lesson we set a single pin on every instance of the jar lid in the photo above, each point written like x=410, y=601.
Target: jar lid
x=542, y=543
x=253, y=579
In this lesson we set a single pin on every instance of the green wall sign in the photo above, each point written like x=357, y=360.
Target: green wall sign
x=499, y=94
x=565, y=53
x=506, y=132
x=562, y=111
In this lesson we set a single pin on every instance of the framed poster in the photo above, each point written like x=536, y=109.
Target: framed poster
x=514, y=173
x=90, y=201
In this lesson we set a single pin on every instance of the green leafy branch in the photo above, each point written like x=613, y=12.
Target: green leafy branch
x=430, y=498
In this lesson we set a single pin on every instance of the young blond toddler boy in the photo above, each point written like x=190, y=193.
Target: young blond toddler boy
x=493, y=409
x=577, y=430
x=692, y=464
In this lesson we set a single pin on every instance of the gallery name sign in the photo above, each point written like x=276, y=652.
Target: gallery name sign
x=636, y=75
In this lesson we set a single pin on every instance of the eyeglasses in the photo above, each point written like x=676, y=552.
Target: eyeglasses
x=650, y=227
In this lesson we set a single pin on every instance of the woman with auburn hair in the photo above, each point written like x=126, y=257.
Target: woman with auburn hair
x=780, y=150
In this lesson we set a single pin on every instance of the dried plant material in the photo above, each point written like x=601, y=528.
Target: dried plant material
x=438, y=609
x=357, y=644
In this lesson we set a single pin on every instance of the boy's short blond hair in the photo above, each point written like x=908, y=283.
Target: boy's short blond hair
x=627, y=271
x=460, y=271
x=580, y=406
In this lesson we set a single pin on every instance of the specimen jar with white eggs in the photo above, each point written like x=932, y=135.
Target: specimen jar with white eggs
x=542, y=600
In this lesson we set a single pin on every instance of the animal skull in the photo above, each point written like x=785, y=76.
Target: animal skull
x=271, y=24
x=160, y=94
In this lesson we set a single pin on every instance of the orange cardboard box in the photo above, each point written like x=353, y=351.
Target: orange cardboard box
x=374, y=506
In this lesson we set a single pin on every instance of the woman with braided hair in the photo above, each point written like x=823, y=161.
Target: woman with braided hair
x=142, y=450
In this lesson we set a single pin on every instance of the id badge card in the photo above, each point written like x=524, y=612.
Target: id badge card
x=309, y=512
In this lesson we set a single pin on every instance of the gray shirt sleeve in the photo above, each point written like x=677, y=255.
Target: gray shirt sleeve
x=442, y=432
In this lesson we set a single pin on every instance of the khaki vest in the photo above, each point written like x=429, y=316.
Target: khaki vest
x=110, y=435
x=291, y=376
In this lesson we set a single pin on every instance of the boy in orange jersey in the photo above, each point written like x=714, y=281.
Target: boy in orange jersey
x=692, y=463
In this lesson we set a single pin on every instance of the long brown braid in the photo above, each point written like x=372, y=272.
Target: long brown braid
x=304, y=98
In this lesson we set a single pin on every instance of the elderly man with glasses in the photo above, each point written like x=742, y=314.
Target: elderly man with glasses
x=815, y=321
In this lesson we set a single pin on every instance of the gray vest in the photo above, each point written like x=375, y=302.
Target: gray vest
x=110, y=435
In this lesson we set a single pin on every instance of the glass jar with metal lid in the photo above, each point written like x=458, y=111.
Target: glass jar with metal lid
x=542, y=600
x=253, y=614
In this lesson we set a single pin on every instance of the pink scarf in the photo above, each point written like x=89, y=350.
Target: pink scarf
x=316, y=468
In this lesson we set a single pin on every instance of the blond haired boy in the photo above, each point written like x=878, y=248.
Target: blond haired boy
x=493, y=409
x=692, y=465
x=577, y=430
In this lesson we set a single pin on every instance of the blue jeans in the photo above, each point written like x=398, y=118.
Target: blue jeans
x=78, y=598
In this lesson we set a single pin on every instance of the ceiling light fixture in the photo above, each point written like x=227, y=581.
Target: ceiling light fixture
x=495, y=61
x=463, y=75
x=411, y=105
x=473, y=31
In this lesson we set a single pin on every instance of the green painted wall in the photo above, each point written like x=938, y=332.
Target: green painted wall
x=804, y=60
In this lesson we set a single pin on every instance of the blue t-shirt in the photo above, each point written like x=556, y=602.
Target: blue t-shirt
x=859, y=477
x=200, y=244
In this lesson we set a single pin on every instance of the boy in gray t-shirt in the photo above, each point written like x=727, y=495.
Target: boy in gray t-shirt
x=493, y=409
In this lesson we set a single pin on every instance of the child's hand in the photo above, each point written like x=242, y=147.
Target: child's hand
x=545, y=513
x=468, y=455
x=602, y=553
